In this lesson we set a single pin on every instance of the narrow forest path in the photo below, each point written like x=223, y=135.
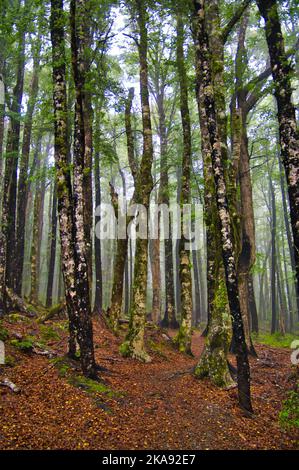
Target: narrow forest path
x=154, y=406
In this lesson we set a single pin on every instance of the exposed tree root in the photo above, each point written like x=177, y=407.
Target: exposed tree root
x=17, y=303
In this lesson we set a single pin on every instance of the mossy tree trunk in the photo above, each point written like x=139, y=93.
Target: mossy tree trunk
x=38, y=213
x=243, y=202
x=207, y=98
x=52, y=248
x=98, y=300
x=12, y=158
x=23, y=171
x=84, y=18
x=2, y=236
x=81, y=240
x=213, y=361
x=185, y=332
x=134, y=343
x=70, y=206
x=288, y=131
x=169, y=315
x=115, y=309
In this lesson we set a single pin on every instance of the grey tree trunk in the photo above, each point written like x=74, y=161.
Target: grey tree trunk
x=288, y=131
x=206, y=92
x=134, y=343
x=70, y=209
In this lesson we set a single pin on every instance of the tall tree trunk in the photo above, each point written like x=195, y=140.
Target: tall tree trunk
x=23, y=172
x=114, y=311
x=2, y=235
x=289, y=295
x=52, y=247
x=283, y=320
x=134, y=344
x=169, y=317
x=197, y=297
x=185, y=331
x=70, y=209
x=98, y=301
x=246, y=243
x=206, y=92
x=213, y=361
x=38, y=212
x=2, y=111
x=252, y=305
x=288, y=228
x=156, y=275
x=11, y=165
x=288, y=131
x=273, y=219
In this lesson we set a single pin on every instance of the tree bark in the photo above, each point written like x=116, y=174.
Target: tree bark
x=185, y=332
x=98, y=301
x=52, y=246
x=288, y=131
x=213, y=361
x=134, y=343
x=11, y=164
x=70, y=209
x=246, y=233
x=38, y=210
x=273, y=219
x=23, y=171
x=206, y=92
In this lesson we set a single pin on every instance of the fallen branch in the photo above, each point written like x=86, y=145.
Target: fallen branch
x=8, y=383
x=43, y=352
x=56, y=310
x=181, y=372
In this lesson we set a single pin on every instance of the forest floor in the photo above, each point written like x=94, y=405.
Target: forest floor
x=160, y=405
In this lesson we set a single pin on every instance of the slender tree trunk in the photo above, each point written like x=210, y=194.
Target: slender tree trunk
x=197, y=297
x=23, y=175
x=206, y=93
x=11, y=165
x=288, y=131
x=52, y=246
x=134, y=344
x=289, y=296
x=2, y=235
x=38, y=209
x=169, y=317
x=156, y=279
x=246, y=233
x=114, y=311
x=177, y=251
x=2, y=111
x=185, y=331
x=252, y=305
x=98, y=301
x=273, y=256
x=283, y=321
x=288, y=228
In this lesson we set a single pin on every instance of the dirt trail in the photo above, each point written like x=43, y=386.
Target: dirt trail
x=155, y=406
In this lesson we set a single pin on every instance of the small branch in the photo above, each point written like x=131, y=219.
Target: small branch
x=181, y=372
x=234, y=20
x=132, y=37
x=8, y=383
